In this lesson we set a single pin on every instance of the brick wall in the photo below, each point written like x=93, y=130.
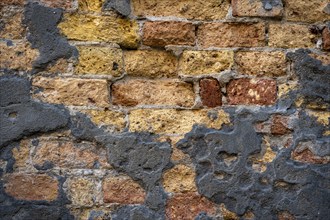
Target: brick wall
x=161, y=109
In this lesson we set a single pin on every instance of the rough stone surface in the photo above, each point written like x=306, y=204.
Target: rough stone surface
x=72, y=91
x=152, y=92
x=179, y=179
x=150, y=63
x=188, y=206
x=100, y=61
x=231, y=35
x=11, y=23
x=81, y=191
x=88, y=5
x=11, y=2
x=65, y=4
x=252, y=91
x=17, y=56
x=205, y=62
x=306, y=11
x=123, y=190
x=171, y=121
x=190, y=9
x=270, y=64
x=163, y=33
x=87, y=27
x=31, y=187
x=290, y=36
x=210, y=92
x=123, y=7
x=135, y=212
x=326, y=38
x=256, y=8
x=45, y=35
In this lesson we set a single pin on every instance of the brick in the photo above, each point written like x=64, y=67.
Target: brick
x=326, y=38
x=87, y=27
x=150, y=63
x=179, y=179
x=270, y=64
x=210, y=92
x=66, y=154
x=290, y=36
x=190, y=9
x=267, y=155
x=280, y=125
x=321, y=116
x=324, y=58
x=285, y=215
x=231, y=35
x=163, y=33
x=228, y=215
x=205, y=62
x=171, y=121
x=255, y=8
x=252, y=91
x=305, y=152
x=153, y=92
x=81, y=191
x=100, y=61
x=31, y=186
x=22, y=155
x=90, y=5
x=11, y=23
x=65, y=4
x=60, y=66
x=188, y=206
x=123, y=190
x=306, y=11
x=19, y=56
x=70, y=91
x=109, y=118
x=11, y=2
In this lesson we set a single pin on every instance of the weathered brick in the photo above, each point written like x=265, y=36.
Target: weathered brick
x=255, y=8
x=290, y=36
x=65, y=4
x=306, y=11
x=81, y=191
x=305, y=152
x=22, y=155
x=179, y=179
x=109, y=118
x=210, y=92
x=252, y=91
x=18, y=56
x=11, y=2
x=285, y=215
x=280, y=125
x=123, y=190
x=90, y=5
x=171, y=121
x=87, y=27
x=11, y=23
x=150, y=63
x=228, y=215
x=326, y=38
x=153, y=92
x=324, y=58
x=190, y=9
x=100, y=60
x=205, y=62
x=270, y=64
x=188, y=206
x=60, y=66
x=70, y=91
x=31, y=186
x=65, y=154
x=162, y=33
x=231, y=35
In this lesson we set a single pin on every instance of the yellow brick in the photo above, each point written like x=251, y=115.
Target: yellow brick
x=205, y=62
x=11, y=20
x=81, y=191
x=290, y=36
x=179, y=179
x=190, y=9
x=86, y=27
x=150, y=63
x=171, y=121
x=261, y=63
x=90, y=5
x=322, y=117
x=306, y=10
x=107, y=117
x=100, y=60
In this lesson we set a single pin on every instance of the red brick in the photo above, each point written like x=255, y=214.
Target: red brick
x=31, y=186
x=251, y=91
x=187, y=206
x=122, y=190
x=326, y=38
x=231, y=35
x=280, y=125
x=162, y=33
x=210, y=92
